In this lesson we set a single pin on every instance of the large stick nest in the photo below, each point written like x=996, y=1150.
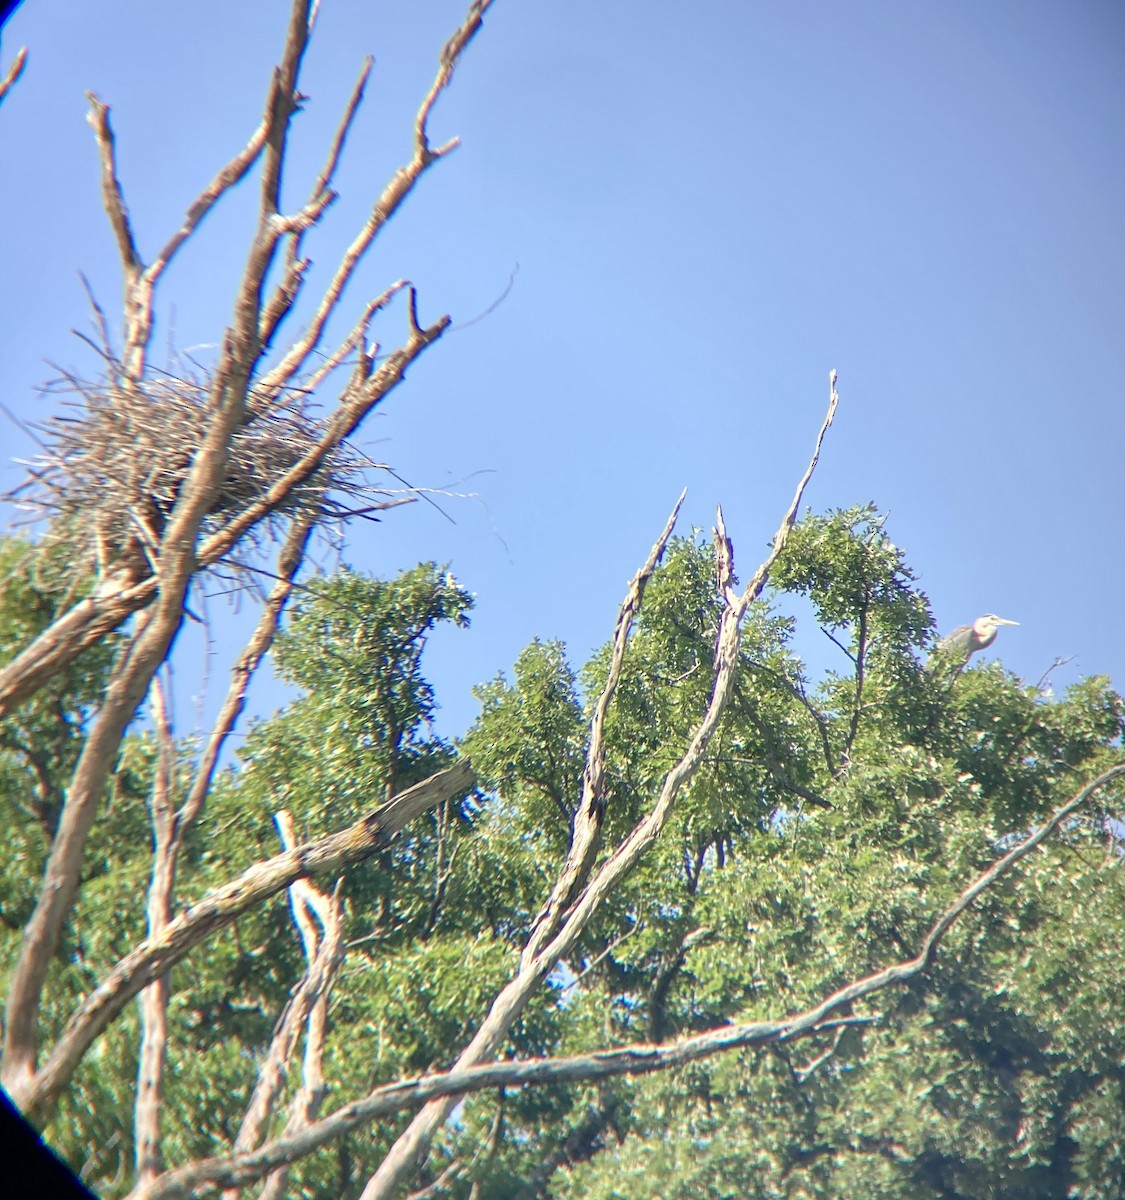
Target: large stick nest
x=111, y=468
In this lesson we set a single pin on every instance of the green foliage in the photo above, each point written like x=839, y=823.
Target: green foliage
x=359, y=728
x=41, y=740
x=994, y=1076
x=856, y=578
x=831, y=822
x=826, y=831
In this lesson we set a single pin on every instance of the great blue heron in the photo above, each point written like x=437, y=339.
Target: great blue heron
x=966, y=640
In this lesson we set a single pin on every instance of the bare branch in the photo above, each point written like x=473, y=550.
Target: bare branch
x=307, y=1008
x=813, y=1065
x=113, y=199
x=335, y=150
x=728, y=642
x=591, y=808
x=289, y=560
x=82, y=626
x=594, y=962
x=543, y=952
x=837, y=643
x=285, y=294
x=12, y=74
x=125, y=691
x=396, y=191
x=356, y=340
x=225, y=179
x=139, y=306
x=197, y=1178
x=102, y=322
x=156, y=956
x=487, y=312
x=450, y=55
x=364, y=393
x=1059, y=662
x=153, y=1001
x=284, y=106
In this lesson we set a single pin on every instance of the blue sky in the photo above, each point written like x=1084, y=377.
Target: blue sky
x=711, y=206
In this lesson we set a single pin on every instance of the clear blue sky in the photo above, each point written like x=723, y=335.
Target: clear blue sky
x=711, y=205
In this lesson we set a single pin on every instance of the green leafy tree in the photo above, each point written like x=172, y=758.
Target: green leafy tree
x=826, y=827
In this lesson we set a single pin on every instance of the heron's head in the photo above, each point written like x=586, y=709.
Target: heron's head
x=985, y=627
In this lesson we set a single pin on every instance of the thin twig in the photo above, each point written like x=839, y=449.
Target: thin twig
x=492, y=307
x=1059, y=662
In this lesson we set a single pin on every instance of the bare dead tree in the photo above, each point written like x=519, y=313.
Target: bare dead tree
x=580, y=889
x=157, y=534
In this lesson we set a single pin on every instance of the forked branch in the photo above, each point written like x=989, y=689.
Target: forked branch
x=591, y=807
x=544, y=951
x=155, y=956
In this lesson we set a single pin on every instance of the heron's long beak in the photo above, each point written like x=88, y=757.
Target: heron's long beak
x=1002, y=621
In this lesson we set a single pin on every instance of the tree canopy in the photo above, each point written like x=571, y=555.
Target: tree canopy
x=687, y=918
x=828, y=826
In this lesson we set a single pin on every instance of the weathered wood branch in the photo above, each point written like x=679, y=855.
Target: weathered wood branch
x=153, y=1001
x=319, y=918
x=12, y=74
x=155, y=956
x=80, y=627
x=591, y=807
x=413, y=1144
